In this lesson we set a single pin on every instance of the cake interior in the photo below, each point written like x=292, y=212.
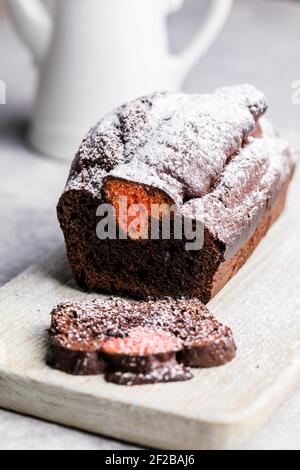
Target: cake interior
x=135, y=204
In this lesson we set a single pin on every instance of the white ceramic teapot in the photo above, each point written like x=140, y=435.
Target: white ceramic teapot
x=94, y=55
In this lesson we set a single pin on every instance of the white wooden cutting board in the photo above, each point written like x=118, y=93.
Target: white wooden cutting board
x=219, y=408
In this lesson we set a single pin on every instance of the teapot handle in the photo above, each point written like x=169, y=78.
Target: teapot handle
x=217, y=16
x=33, y=24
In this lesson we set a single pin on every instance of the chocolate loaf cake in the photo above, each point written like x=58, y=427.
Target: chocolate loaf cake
x=214, y=158
x=137, y=342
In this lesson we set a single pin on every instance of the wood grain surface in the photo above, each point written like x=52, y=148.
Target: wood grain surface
x=219, y=409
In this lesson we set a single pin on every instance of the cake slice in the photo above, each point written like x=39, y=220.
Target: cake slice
x=144, y=356
x=137, y=342
x=208, y=160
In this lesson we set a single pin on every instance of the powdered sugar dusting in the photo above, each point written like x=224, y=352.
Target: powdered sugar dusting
x=195, y=136
x=192, y=147
x=246, y=95
x=83, y=323
x=255, y=174
x=183, y=140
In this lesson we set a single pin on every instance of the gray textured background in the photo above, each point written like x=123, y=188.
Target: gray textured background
x=260, y=44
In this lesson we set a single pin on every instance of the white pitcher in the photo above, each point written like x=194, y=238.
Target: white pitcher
x=94, y=55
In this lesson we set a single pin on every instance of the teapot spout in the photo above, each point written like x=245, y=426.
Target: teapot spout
x=33, y=24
